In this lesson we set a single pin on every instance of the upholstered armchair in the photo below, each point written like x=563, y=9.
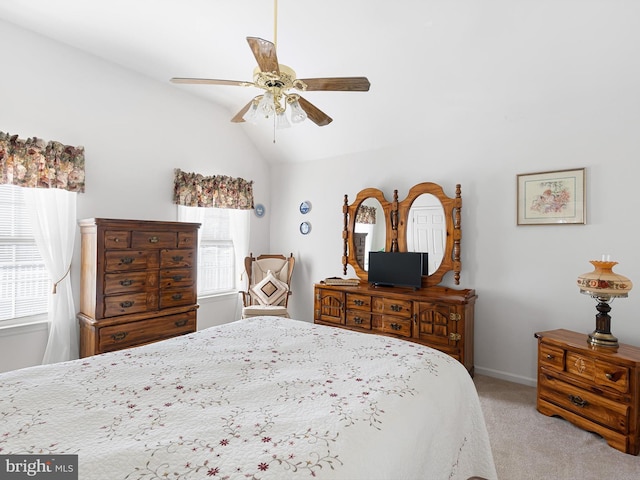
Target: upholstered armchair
x=269, y=285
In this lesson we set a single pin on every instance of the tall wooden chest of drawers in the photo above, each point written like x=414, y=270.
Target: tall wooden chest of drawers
x=439, y=317
x=138, y=282
x=595, y=388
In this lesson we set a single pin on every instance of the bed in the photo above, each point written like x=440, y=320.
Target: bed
x=259, y=398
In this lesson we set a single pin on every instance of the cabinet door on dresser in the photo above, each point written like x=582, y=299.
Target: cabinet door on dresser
x=329, y=306
x=438, y=323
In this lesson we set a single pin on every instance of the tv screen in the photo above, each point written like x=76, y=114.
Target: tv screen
x=396, y=269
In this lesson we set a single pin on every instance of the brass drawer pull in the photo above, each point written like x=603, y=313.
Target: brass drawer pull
x=177, y=278
x=358, y=302
x=127, y=304
x=180, y=323
x=357, y=320
x=154, y=239
x=395, y=326
x=550, y=357
x=126, y=260
x=578, y=401
x=176, y=296
x=119, y=336
x=126, y=283
x=396, y=308
x=177, y=258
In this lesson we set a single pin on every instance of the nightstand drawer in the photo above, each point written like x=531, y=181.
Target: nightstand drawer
x=598, y=409
x=552, y=357
x=600, y=373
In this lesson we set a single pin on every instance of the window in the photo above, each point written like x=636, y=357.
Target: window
x=216, y=254
x=24, y=281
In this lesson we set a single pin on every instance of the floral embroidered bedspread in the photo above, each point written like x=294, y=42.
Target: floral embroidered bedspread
x=261, y=398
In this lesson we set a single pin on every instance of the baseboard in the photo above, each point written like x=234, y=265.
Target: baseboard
x=509, y=377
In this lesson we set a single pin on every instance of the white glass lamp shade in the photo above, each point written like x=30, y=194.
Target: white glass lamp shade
x=282, y=121
x=251, y=115
x=267, y=106
x=298, y=115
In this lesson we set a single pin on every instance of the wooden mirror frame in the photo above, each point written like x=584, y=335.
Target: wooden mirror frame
x=390, y=220
x=451, y=207
x=396, y=216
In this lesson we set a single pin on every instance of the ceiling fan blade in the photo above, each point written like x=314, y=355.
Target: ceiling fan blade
x=210, y=81
x=316, y=115
x=348, y=84
x=238, y=117
x=265, y=53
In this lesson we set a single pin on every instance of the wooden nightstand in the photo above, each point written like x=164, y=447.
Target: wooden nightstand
x=595, y=388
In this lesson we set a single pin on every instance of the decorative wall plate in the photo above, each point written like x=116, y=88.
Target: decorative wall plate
x=305, y=207
x=305, y=227
x=259, y=210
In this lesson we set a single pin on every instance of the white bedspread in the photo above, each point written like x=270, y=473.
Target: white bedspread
x=261, y=398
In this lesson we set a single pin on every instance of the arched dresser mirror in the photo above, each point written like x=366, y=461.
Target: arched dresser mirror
x=427, y=220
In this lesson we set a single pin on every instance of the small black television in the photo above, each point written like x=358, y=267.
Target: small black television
x=396, y=269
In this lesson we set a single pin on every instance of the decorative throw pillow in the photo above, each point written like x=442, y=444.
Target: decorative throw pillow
x=270, y=290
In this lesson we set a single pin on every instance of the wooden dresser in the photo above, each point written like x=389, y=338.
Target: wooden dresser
x=138, y=282
x=595, y=388
x=436, y=316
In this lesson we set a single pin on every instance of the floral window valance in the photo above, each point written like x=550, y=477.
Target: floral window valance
x=366, y=214
x=36, y=164
x=219, y=191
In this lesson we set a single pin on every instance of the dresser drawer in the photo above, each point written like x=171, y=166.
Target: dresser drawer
x=154, y=239
x=187, y=239
x=390, y=306
x=178, y=258
x=129, y=282
x=117, y=239
x=360, y=319
x=358, y=302
x=391, y=324
x=611, y=414
x=125, y=260
x=176, y=277
x=552, y=357
x=177, y=297
x=130, y=303
x=145, y=331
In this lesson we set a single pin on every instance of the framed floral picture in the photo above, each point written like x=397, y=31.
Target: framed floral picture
x=552, y=198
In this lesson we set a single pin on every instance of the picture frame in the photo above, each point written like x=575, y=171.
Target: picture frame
x=552, y=198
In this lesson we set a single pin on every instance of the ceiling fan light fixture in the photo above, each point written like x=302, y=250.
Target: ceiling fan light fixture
x=266, y=106
x=282, y=121
x=251, y=115
x=298, y=115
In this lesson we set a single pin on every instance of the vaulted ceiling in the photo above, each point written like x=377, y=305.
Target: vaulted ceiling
x=431, y=63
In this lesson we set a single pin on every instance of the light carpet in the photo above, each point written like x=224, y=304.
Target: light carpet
x=528, y=445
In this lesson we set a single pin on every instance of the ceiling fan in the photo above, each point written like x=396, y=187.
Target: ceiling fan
x=278, y=81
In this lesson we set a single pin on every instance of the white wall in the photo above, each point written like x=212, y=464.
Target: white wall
x=537, y=86
x=135, y=132
x=551, y=85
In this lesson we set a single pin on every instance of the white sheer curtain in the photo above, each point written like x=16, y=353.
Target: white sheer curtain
x=53, y=217
x=239, y=221
x=240, y=226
